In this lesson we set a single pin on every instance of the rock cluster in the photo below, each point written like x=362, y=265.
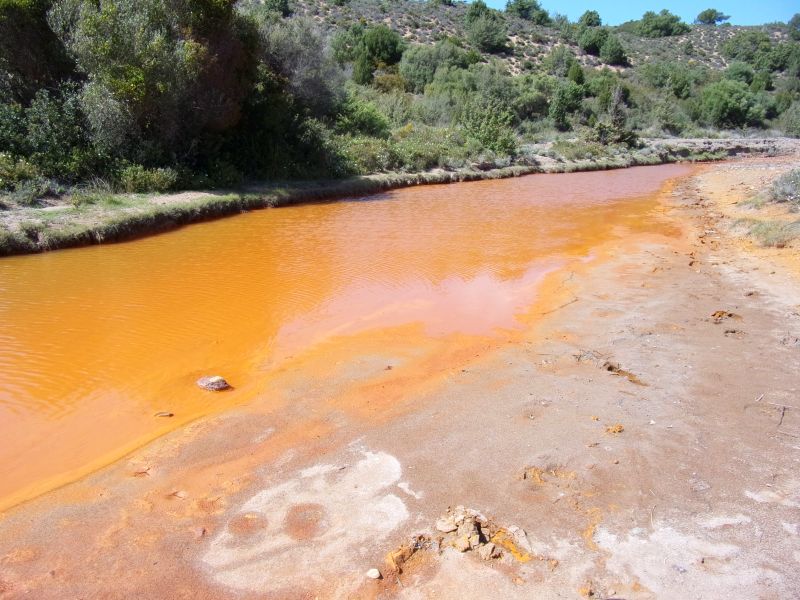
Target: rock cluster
x=466, y=529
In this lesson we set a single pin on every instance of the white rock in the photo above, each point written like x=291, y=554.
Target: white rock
x=214, y=383
x=374, y=574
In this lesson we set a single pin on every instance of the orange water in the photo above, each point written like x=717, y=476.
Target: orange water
x=95, y=341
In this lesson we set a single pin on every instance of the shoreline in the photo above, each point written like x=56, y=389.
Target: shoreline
x=126, y=217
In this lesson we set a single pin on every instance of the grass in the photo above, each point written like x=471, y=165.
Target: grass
x=770, y=234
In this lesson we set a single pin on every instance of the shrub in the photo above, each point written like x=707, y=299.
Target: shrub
x=591, y=18
x=14, y=170
x=662, y=24
x=711, y=16
x=559, y=61
x=488, y=33
x=790, y=120
x=729, y=104
x=137, y=179
x=567, y=99
x=383, y=45
x=489, y=122
x=794, y=27
x=592, y=39
x=739, y=71
x=12, y=128
x=278, y=6
x=530, y=10
x=612, y=52
x=419, y=63
x=786, y=188
x=752, y=47
x=360, y=116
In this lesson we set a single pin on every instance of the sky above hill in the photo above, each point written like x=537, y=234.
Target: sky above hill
x=614, y=12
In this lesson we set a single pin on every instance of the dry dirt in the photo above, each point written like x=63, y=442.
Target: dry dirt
x=641, y=442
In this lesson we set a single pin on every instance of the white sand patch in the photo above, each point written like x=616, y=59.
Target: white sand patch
x=718, y=521
x=672, y=564
x=307, y=530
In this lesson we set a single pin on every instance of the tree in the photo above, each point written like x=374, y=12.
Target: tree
x=663, y=24
x=591, y=18
x=278, y=6
x=530, y=10
x=476, y=10
x=711, y=16
x=612, y=52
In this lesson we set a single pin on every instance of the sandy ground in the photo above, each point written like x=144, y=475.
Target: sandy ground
x=636, y=444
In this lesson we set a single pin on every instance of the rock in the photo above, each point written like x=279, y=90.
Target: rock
x=446, y=524
x=214, y=383
x=374, y=574
x=488, y=551
x=461, y=543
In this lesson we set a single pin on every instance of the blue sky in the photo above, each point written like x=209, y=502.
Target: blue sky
x=615, y=12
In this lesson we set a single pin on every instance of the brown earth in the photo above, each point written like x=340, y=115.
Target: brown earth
x=641, y=441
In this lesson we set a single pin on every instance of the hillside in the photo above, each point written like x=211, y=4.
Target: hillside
x=97, y=99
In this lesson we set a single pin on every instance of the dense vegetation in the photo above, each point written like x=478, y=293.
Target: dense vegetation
x=163, y=94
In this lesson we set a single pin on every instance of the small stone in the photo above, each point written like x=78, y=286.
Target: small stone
x=461, y=543
x=374, y=574
x=214, y=383
x=446, y=525
x=488, y=551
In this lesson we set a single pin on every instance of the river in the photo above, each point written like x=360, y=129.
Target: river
x=94, y=342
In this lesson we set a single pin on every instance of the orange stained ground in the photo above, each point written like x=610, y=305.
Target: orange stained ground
x=95, y=341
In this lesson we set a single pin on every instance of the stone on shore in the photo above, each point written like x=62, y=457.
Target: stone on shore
x=214, y=383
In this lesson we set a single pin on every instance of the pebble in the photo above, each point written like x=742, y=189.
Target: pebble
x=374, y=574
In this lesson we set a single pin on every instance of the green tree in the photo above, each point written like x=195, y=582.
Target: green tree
x=488, y=121
x=612, y=52
x=662, y=24
x=739, y=71
x=475, y=11
x=591, y=18
x=278, y=6
x=711, y=16
x=530, y=10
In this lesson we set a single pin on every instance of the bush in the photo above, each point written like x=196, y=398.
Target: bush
x=567, y=99
x=278, y=6
x=419, y=63
x=754, y=48
x=383, y=45
x=786, y=188
x=489, y=122
x=790, y=120
x=592, y=39
x=13, y=171
x=559, y=61
x=612, y=52
x=359, y=116
x=137, y=179
x=663, y=24
x=739, y=71
x=488, y=33
x=729, y=104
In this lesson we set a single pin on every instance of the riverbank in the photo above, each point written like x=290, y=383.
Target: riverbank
x=102, y=218
x=639, y=439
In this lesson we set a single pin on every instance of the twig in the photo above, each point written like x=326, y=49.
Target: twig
x=573, y=301
x=783, y=413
